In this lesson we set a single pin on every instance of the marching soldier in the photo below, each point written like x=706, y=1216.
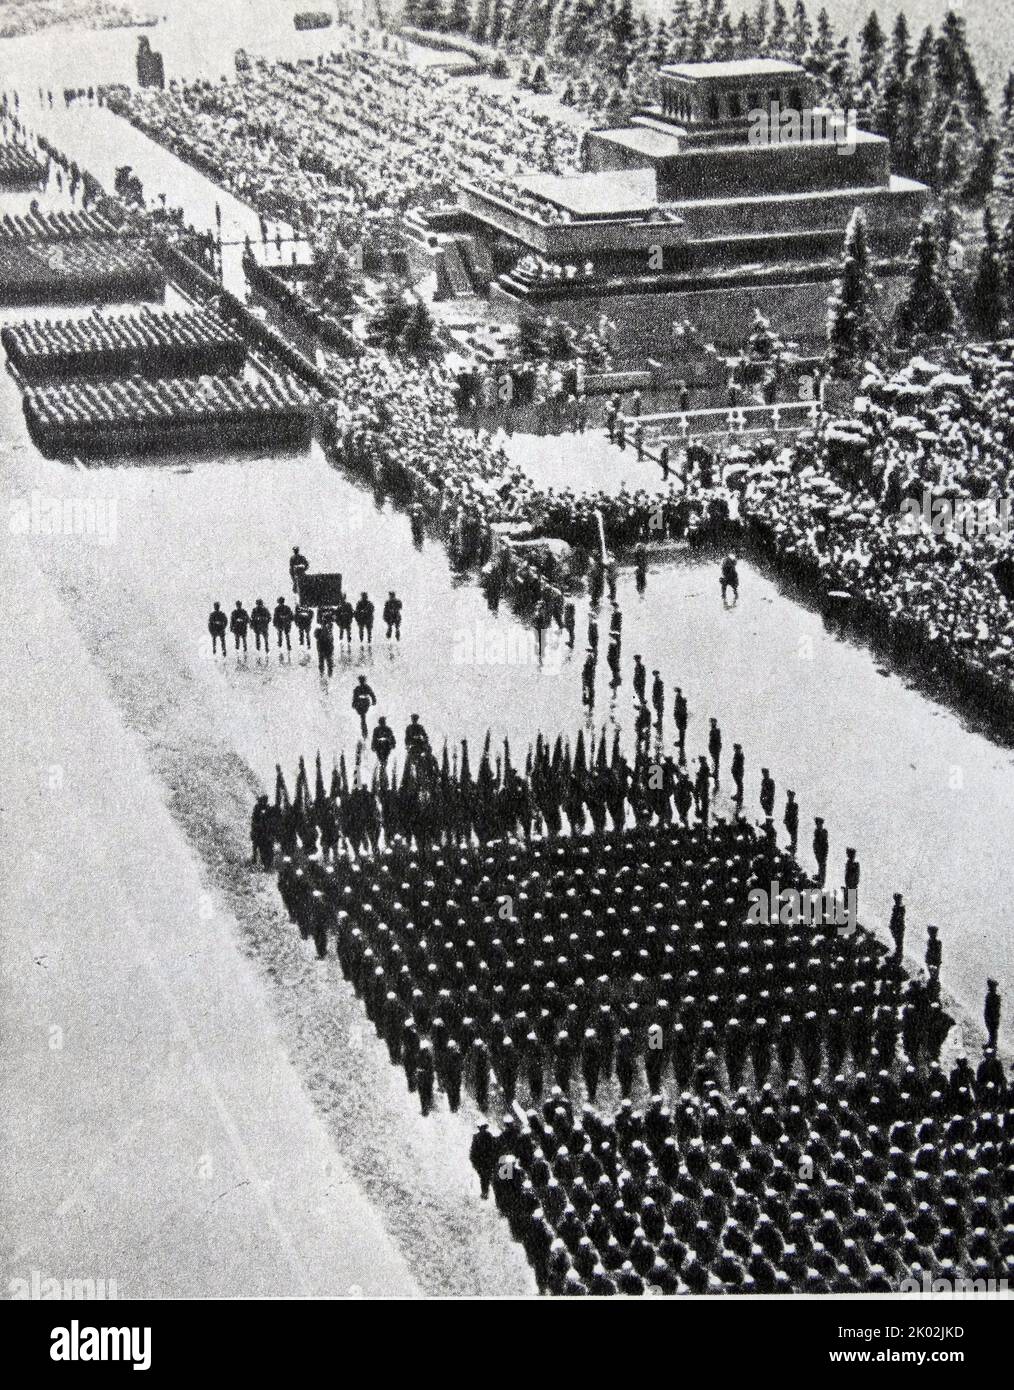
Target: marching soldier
x=283, y=624
x=383, y=741
x=482, y=1155
x=715, y=749
x=303, y=617
x=729, y=578
x=344, y=614
x=896, y=925
x=392, y=615
x=991, y=1012
x=791, y=820
x=934, y=952
x=364, y=618
x=416, y=737
x=362, y=698
x=217, y=624
x=821, y=842
x=239, y=621
x=324, y=638
x=739, y=771
x=681, y=716
x=260, y=621
x=658, y=697
x=640, y=679
x=767, y=792
x=851, y=873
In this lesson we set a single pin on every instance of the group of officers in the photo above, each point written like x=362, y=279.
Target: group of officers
x=340, y=616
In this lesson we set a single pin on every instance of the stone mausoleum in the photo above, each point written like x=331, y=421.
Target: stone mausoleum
x=730, y=193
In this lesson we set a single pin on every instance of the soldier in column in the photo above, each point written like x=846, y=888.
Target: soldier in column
x=681, y=716
x=260, y=621
x=283, y=624
x=821, y=843
x=791, y=820
x=738, y=772
x=239, y=621
x=217, y=624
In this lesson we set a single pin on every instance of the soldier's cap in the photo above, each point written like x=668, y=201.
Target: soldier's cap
x=991, y=984
x=819, y=820
x=850, y=851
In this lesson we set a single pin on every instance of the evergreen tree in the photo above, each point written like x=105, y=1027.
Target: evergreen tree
x=954, y=161
x=887, y=111
x=432, y=15
x=391, y=318
x=821, y=53
x=979, y=184
x=801, y=32
x=928, y=306
x=480, y=20
x=872, y=47
x=623, y=33
x=1007, y=100
x=841, y=77
x=746, y=45
x=777, y=45
x=724, y=42
x=660, y=46
x=460, y=19
x=1007, y=258
x=987, y=306
x=851, y=325
x=497, y=22
x=759, y=26
x=680, y=30
x=418, y=337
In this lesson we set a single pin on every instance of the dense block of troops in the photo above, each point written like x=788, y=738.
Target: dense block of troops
x=798, y=1132
x=879, y=1179
x=59, y=225
x=138, y=414
x=191, y=342
x=63, y=272
x=18, y=167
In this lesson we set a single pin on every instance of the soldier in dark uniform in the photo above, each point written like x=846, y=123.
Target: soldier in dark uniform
x=362, y=698
x=364, y=618
x=729, y=578
x=715, y=748
x=852, y=874
x=702, y=790
x=658, y=697
x=239, y=620
x=260, y=621
x=681, y=715
x=262, y=832
x=897, y=926
x=640, y=679
x=416, y=738
x=991, y=1012
x=217, y=624
x=738, y=771
x=424, y=1076
x=383, y=740
x=303, y=617
x=392, y=615
x=344, y=614
x=767, y=792
x=934, y=952
x=298, y=565
x=791, y=820
x=821, y=843
x=588, y=679
x=324, y=638
x=283, y=624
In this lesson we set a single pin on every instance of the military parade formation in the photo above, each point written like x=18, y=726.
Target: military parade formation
x=136, y=413
x=156, y=342
x=686, y=1100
